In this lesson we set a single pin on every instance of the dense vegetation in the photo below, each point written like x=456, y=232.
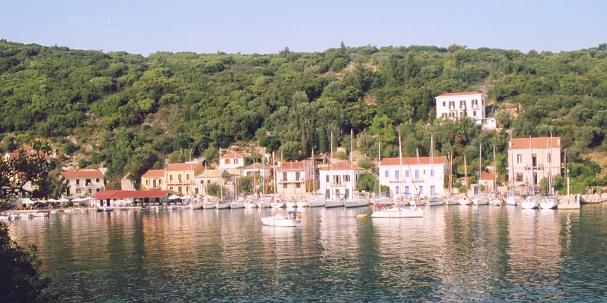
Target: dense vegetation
x=128, y=112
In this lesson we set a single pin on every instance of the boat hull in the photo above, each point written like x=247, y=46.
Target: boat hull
x=333, y=204
x=356, y=203
x=396, y=213
x=276, y=221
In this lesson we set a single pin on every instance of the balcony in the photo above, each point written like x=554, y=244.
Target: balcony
x=300, y=180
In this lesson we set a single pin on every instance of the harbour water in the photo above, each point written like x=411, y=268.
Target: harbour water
x=454, y=253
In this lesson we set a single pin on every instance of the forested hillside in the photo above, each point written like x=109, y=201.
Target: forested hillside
x=129, y=112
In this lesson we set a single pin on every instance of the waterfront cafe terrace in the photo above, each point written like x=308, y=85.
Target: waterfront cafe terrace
x=130, y=197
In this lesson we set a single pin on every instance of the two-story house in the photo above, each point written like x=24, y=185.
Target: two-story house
x=532, y=159
x=454, y=106
x=83, y=183
x=231, y=160
x=294, y=178
x=338, y=180
x=423, y=176
x=179, y=177
x=153, y=179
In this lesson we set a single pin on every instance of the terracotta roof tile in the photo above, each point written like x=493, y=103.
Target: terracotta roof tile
x=293, y=165
x=85, y=173
x=458, y=94
x=154, y=173
x=343, y=165
x=183, y=166
x=413, y=160
x=538, y=142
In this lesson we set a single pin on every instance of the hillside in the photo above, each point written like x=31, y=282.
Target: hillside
x=128, y=112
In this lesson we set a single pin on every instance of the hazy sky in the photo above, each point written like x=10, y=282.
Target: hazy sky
x=146, y=26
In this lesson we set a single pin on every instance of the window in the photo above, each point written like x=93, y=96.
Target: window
x=444, y=103
x=432, y=173
x=474, y=113
x=226, y=161
x=327, y=179
x=396, y=189
x=160, y=181
x=77, y=181
x=284, y=185
x=519, y=177
x=179, y=178
x=284, y=176
x=327, y=193
x=297, y=175
x=474, y=102
x=147, y=182
x=77, y=190
x=407, y=190
x=421, y=190
x=406, y=174
x=179, y=189
x=347, y=194
x=462, y=104
x=451, y=104
x=387, y=173
x=416, y=174
x=97, y=180
x=396, y=175
x=432, y=191
x=346, y=178
x=187, y=177
x=519, y=158
x=88, y=182
x=170, y=177
x=444, y=115
x=534, y=160
x=235, y=161
x=549, y=158
x=196, y=190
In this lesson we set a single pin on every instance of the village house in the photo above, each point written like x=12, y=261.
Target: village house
x=294, y=178
x=487, y=182
x=255, y=169
x=454, y=106
x=423, y=176
x=153, y=179
x=231, y=160
x=83, y=183
x=179, y=177
x=532, y=159
x=206, y=178
x=337, y=180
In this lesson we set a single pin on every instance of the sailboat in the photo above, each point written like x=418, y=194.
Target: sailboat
x=317, y=200
x=569, y=202
x=532, y=201
x=434, y=200
x=451, y=199
x=550, y=201
x=479, y=198
x=335, y=201
x=379, y=200
x=495, y=200
x=465, y=200
x=396, y=211
x=354, y=199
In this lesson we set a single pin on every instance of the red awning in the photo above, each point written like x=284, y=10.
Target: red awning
x=130, y=194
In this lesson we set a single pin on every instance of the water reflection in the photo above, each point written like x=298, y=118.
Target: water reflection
x=454, y=253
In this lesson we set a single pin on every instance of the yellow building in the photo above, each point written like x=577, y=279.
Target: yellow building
x=153, y=179
x=179, y=177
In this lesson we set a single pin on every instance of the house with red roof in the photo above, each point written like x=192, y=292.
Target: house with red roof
x=231, y=159
x=411, y=176
x=454, y=106
x=84, y=182
x=532, y=159
x=294, y=178
x=338, y=180
x=153, y=179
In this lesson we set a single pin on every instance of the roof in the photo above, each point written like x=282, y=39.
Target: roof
x=538, y=142
x=414, y=160
x=84, y=173
x=125, y=194
x=488, y=176
x=183, y=166
x=257, y=166
x=210, y=173
x=343, y=165
x=293, y=165
x=234, y=154
x=459, y=94
x=154, y=173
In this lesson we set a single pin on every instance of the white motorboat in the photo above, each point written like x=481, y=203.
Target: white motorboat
x=208, y=205
x=280, y=221
x=531, y=202
x=316, y=202
x=435, y=201
x=302, y=204
x=464, y=201
x=236, y=204
x=264, y=204
x=397, y=212
x=549, y=202
x=513, y=200
x=333, y=203
x=105, y=208
x=222, y=205
x=495, y=201
x=356, y=202
x=480, y=200
x=277, y=204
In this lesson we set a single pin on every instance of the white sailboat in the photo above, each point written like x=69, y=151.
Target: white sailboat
x=380, y=200
x=479, y=198
x=354, y=200
x=396, y=211
x=512, y=199
x=532, y=201
x=464, y=200
x=550, y=201
x=236, y=204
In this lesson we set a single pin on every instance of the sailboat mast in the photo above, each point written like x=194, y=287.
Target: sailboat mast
x=378, y=172
x=400, y=159
x=466, y=172
x=480, y=165
x=313, y=172
x=494, y=170
x=350, y=167
x=331, y=167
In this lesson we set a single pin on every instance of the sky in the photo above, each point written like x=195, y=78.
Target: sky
x=148, y=26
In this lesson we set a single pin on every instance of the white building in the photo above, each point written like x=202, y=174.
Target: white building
x=84, y=183
x=423, y=175
x=231, y=159
x=532, y=159
x=454, y=106
x=294, y=179
x=257, y=169
x=339, y=179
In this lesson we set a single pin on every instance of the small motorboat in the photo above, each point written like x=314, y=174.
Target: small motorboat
x=464, y=201
x=264, y=203
x=435, y=201
x=280, y=221
x=549, y=202
x=398, y=212
x=356, y=202
x=277, y=204
x=222, y=205
x=480, y=200
x=39, y=215
x=531, y=202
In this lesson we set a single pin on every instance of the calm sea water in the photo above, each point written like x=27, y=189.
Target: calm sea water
x=455, y=253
